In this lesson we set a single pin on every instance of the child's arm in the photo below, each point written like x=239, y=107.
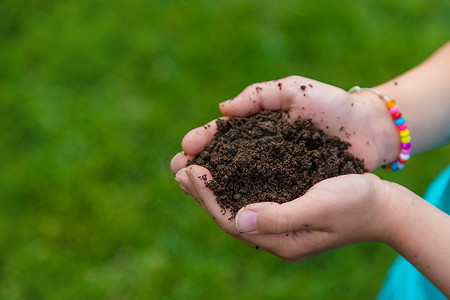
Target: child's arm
x=420, y=233
x=423, y=95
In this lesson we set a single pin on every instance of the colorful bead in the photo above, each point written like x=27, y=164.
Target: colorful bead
x=405, y=139
x=394, y=109
x=390, y=103
x=402, y=127
x=406, y=146
x=404, y=156
x=404, y=133
x=400, y=166
x=401, y=160
x=394, y=166
x=405, y=151
x=397, y=115
x=399, y=121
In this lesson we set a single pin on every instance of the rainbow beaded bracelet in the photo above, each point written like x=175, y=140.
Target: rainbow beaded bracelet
x=402, y=127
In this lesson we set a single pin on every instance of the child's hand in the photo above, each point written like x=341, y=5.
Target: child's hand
x=335, y=212
x=361, y=119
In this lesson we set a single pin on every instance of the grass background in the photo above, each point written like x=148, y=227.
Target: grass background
x=95, y=97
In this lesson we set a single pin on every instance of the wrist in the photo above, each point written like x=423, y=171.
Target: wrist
x=374, y=212
x=393, y=213
x=400, y=209
x=381, y=127
x=383, y=210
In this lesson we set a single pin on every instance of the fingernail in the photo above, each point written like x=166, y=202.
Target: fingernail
x=246, y=221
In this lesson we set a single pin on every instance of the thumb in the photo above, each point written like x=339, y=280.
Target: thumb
x=269, y=95
x=303, y=213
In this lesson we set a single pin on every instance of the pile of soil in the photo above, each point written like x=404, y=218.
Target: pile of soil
x=265, y=158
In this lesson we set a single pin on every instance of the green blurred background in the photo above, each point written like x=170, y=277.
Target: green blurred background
x=95, y=97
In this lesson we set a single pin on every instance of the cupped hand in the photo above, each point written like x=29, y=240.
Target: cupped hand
x=360, y=119
x=333, y=213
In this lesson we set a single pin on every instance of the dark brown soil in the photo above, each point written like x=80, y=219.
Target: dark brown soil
x=265, y=158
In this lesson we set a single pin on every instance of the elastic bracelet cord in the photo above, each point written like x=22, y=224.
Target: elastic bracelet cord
x=402, y=127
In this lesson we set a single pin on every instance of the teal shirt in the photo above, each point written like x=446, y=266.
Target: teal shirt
x=403, y=280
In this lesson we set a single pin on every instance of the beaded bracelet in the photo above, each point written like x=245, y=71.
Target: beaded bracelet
x=402, y=127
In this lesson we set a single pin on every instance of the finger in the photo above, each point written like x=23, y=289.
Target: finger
x=197, y=139
x=179, y=161
x=199, y=176
x=269, y=95
x=187, y=186
x=304, y=213
x=184, y=182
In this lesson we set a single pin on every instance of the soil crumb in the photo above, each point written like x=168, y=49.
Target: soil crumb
x=265, y=158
